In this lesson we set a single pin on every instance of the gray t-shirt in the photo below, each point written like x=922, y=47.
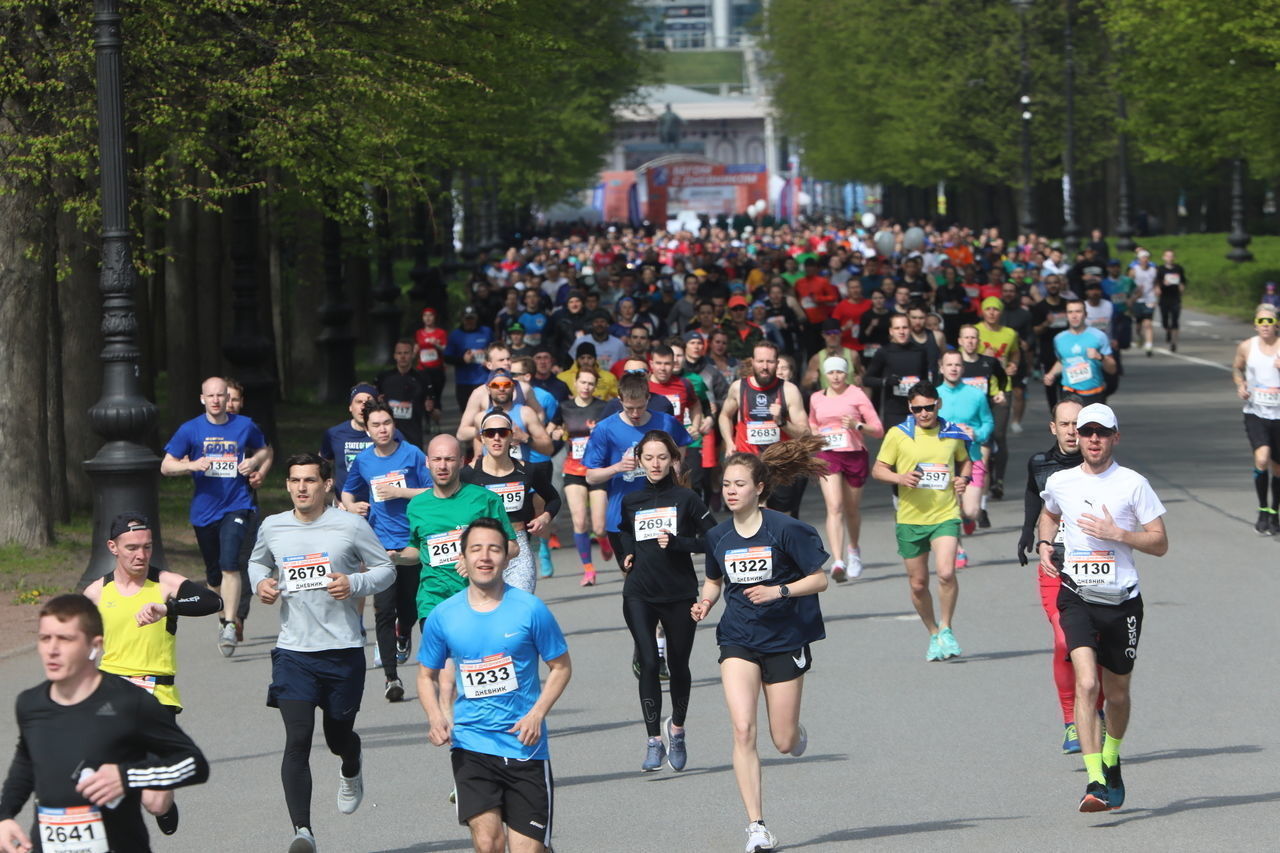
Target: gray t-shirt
x=300, y=555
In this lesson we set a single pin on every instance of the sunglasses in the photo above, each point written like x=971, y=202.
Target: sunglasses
x=915, y=410
x=1264, y=321
x=1091, y=431
x=496, y=432
x=500, y=385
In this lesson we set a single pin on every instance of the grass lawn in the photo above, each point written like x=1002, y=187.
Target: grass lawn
x=700, y=67
x=1214, y=283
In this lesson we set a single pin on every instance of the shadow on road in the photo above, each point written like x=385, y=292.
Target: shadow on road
x=1191, y=752
x=433, y=846
x=564, y=781
x=986, y=656
x=867, y=833
x=1192, y=804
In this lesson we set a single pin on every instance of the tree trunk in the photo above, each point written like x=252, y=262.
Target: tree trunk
x=59, y=505
x=24, y=507
x=80, y=305
x=180, y=315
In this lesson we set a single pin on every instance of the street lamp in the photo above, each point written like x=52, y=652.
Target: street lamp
x=1124, y=228
x=1070, y=230
x=124, y=472
x=1239, y=238
x=1028, y=222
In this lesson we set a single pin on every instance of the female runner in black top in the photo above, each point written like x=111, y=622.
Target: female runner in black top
x=516, y=485
x=662, y=526
x=770, y=568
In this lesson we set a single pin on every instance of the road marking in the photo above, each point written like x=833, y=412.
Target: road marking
x=1199, y=323
x=1191, y=358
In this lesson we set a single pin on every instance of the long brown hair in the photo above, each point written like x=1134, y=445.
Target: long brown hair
x=783, y=463
x=665, y=439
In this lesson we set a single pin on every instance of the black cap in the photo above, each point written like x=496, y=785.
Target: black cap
x=831, y=324
x=585, y=348
x=128, y=522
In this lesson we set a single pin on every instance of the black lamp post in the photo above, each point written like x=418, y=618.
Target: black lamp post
x=124, y=471
x=1239, y=238
x=1028, y=221
x=1070, y=230
x=1124, y=227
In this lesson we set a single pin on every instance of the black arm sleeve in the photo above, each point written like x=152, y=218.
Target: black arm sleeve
x=540, y=481
x=1031, y=504
x=693, y=509
x=194, y=600
x=19, y=784
x=173, y=760
x=874, y=376
x=627, y=533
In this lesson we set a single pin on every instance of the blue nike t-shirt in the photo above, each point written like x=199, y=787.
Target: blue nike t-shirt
x=496, y=654
x=613, y=437
x=221, y=489
x=405, y=467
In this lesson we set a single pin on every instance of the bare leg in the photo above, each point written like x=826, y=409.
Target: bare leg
x=921, y=599
x=230, y=594
x=833, y=496
x=853, y=512
x=782, y=703
x=944, y=565
x=741, y=681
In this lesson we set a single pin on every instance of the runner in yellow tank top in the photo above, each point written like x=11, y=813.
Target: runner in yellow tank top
x=140, y=606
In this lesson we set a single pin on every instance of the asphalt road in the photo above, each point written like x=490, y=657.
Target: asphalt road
x=903, y=754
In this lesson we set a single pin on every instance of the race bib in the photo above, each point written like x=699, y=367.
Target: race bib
x=400, y=410
x=76, y=829
x=517, y=452
x=578, y=446
x=444, y=549
x=1061, y=535
x=749, y=565
x=934, y=475
x=306, y=571
x=512, y=495
x=223, y=466
x=982, y=383
x=392, y=478
x=427, y=355
x=762, y=432
x=1172, y=279
x=1266, y=396
x=477, y=356
x=489, y=676
x=1091, y=568
x=1079, y=374
x=650, y=523
x=674, y=399
x=836, y=438
x=904, y=386
x=146, y=682
x=1059, y=321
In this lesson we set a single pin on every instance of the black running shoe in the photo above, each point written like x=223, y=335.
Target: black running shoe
x=984, y=520
x=1095, y=798
x=1263, y=525
x=168, y=822
x=402, y=650
x=997, y=490
x=1115, y=785
x=1274, y=521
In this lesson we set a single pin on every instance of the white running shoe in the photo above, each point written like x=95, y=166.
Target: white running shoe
x=759, y=839
x=351, y=790
x=1015, y=428
x=227, y=639
x=303, y=842
x=838, y=573
x=802, y=741
x=853, y=562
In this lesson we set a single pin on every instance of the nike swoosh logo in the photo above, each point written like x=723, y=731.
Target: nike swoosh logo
x=800, y=660
x=512, y=634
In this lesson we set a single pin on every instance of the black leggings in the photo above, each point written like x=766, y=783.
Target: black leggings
x=295, y=767
x=642, y=619
x=786, y=499
x=395, y=605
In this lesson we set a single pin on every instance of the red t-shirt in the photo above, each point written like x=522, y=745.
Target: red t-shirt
x=817, y=297
x=431, y=343
x=850, y=314
x=679, y=393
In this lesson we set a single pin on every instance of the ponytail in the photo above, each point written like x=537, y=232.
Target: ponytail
x=783, y=463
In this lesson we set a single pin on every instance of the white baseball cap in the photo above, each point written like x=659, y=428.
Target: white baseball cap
x=1097, y=413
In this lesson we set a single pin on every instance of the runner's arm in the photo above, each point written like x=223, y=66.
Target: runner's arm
x=1238, y=367
x=539, y=440
x=379, y=572
x=728, y=412
x=173, y=760
x=20, y=782
x=1031, y=506
x=543, y=488
x=796, y=425
x=189, y=598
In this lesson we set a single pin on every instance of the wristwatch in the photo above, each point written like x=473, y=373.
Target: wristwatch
x=783, y=591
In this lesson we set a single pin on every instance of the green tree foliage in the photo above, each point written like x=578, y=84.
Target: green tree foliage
x=928, y=90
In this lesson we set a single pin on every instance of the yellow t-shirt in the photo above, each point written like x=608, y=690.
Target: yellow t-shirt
x=934, y=500
x=136, y=653
x=606, y=382
x=1003, y=343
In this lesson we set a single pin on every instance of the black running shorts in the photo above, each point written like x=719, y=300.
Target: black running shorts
x=1111, y=630
x=519, y=790
x=1263, y=432
x=775, y=668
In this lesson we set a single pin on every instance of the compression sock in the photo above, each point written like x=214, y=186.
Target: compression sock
x=1275, y=493
x=582, y=541
x=1093, y=766
x=983, y=502
x=1260, y=486
x=544, y=552
x=1111, y=751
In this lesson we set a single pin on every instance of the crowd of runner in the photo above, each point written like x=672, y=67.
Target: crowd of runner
x=677, y=393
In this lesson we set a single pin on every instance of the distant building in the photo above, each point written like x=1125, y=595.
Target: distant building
x=681, y=25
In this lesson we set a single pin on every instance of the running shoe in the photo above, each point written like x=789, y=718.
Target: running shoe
x=997, y=490
x=1115, y=785
x=1095, y=798
x=664, y=674
x=1275, y=523
x=588, y=579
x=350, y=790
x=227, y=639
x=303, y=841
x=1015, y=428
x=402, y=650
x=984, y=520
x=394, y=691
x=1148, y=349
x=853, y=562
x=935, y=651
x=947, y=645
x=677, y=755
x=962, y=558
x=1070, y=740
x=606, y=549
x=1263, y=525
x=1173, y=347
x=759, y=839
x=453, y=796
x=554, y=542
x=802, y=741
x=838, y=573
x=168, y=822
x=655, y=755
x=968, y=527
